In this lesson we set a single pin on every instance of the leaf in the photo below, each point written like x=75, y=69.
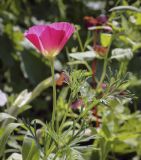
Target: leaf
x=4, y=116
x=125, y=25
x=88, y=55
x=106, y=131
x=124, y=8
x=24, y=108
x=105, y=39
x=8, y=130
x=100, y=28
x=75, y=155
x=6, y=51
x=138, y=18
x=15, y=156
x=42, y=86
x=105, y=147
x=33, y=67
x=22, y=98
x=30, y=149
x=122, y=54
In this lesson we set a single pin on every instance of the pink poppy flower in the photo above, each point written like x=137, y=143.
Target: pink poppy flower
x=50, y=39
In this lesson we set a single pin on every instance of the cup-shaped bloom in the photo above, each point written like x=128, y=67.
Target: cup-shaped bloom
x=50, y=39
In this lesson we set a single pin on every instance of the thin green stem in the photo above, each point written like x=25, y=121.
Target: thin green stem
x=120, y=69
x=80, y=42
x=88, y=40
x=104, y=67
x=54, y=92
x=66, y=114
x=103, y=72
x=81, y=62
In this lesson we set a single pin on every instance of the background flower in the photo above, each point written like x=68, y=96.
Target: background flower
x=3, y=98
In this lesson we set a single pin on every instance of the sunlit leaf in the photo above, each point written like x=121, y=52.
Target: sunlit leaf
x=30, y=150
x=105, y=39
x=8, y=130
x=122, y=54
x=15, y=156
x=88, y=55
x=23, y=98
x=100, y=28
x=118, y=8
x=4, y=116
x=138, y=18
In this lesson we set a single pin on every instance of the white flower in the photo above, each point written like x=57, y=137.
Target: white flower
x=3, y=98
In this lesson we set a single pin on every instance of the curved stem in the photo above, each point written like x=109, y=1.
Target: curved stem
x=54, y=92
x=80, y=42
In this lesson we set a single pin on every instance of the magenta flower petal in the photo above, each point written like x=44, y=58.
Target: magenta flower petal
x=67, y=28
x=50, y=39
x=35, y=41
x=37, y=30
x=33, y=36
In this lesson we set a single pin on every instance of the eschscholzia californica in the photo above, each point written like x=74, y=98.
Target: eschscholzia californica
x=50, y=39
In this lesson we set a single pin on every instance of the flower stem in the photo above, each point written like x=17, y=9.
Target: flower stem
x=54, y=91
x=103, y=72
x=80, y=42
x=81, y=62
x=104, y=67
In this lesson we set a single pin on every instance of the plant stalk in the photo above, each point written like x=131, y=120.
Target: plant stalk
x=80, y=42
x=54, y=91
x=103, y=72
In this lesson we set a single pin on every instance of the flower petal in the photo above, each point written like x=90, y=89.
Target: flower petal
x=35, y=41
x=51, y=39
x=37, y=29
x=67, y=28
